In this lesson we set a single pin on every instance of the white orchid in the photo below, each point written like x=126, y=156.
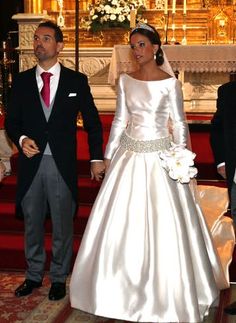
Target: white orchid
x=179, y=163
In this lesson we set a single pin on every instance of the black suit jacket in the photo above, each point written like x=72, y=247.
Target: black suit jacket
x=25, y=116
x=223, y=130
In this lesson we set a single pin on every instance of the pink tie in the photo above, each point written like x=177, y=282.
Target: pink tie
x=45, y=92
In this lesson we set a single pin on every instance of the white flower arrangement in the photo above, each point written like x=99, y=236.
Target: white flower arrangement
x=179, y=163
x=106, y=14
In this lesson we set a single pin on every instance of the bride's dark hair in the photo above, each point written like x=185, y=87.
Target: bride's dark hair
x=154, y=37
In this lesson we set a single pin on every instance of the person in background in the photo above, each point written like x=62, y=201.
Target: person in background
x=41, y=121
x=2, y=170
x=147, y=254
x=223, y=144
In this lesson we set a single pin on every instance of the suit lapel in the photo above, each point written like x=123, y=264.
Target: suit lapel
x=59, y=93
x=34, y=96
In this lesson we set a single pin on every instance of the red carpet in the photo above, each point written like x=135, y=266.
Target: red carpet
x=11, y=229
x=36, y=307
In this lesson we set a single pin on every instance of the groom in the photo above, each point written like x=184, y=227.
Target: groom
x=41, y=121
x=223, y=143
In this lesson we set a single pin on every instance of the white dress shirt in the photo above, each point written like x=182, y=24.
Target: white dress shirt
x=54, y=79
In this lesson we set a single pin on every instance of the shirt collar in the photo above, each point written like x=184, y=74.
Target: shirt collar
x=55, y=69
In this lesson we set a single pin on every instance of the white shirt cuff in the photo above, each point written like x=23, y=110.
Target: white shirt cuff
x=221, y=164
x=21, y=139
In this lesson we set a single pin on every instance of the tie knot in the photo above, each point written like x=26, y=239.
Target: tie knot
x=46, y=76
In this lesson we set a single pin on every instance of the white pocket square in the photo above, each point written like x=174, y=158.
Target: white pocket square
x=72, y=94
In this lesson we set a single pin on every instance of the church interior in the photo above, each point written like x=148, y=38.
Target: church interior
x=198, y=37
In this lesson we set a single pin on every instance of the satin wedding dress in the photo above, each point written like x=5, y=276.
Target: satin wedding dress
x=146, y=254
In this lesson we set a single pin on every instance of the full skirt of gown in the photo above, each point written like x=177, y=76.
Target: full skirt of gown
x=147, y=254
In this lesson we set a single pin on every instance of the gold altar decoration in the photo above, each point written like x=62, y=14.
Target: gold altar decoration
x=104, y=38
x=114, y=36
x=60, y=18
x=195, y=21
x=33, y=6
x=222, y=26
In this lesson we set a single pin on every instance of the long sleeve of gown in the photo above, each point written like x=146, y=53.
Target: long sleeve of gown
x=180, y=131
x=119, y=123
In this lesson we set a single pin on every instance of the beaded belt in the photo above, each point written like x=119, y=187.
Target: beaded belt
x=144, y=146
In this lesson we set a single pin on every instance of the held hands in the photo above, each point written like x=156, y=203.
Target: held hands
x=97, y=169
x=29, y=147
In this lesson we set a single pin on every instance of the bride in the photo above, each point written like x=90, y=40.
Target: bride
x=147, y=254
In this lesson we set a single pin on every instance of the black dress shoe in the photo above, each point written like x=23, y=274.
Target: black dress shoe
x=57, y=291
x=27, y=287
x=230, y=309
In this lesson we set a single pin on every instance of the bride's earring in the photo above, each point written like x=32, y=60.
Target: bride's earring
x=154, y=55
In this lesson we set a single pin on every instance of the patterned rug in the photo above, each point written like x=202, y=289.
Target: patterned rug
x=31, y=309
x=36, y=308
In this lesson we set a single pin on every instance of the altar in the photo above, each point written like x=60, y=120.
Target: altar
x=202, y=68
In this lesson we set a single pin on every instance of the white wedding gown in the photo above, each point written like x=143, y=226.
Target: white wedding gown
x=147, y=254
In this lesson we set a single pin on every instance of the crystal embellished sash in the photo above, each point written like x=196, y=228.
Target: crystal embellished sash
x=144, y=146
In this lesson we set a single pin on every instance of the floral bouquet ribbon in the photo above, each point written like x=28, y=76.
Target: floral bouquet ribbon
x=179, y=163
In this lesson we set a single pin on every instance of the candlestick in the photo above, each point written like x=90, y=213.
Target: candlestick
x=166, y=7
x=173, y=30
x=132, y=18
x=185, y=7
x=184, y=39
x=166, y=27
x=60, y=18
x=173, y=34
x=173, y=6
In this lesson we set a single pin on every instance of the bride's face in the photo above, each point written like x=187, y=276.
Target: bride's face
x=143, y=49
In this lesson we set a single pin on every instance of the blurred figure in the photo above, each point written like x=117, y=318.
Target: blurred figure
x=2, y=170
x=223, y=143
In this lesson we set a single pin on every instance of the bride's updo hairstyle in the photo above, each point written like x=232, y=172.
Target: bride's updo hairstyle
x=153, y=36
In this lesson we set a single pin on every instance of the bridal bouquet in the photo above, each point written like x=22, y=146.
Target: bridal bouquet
x=179, y=163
